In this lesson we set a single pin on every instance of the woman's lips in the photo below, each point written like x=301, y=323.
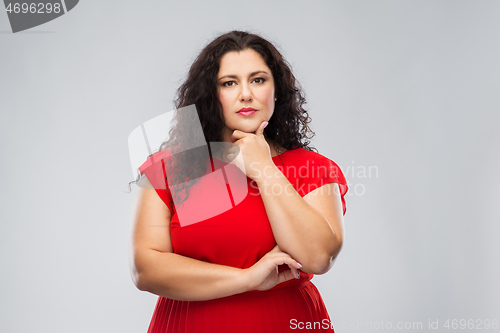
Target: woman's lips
x=246, y=113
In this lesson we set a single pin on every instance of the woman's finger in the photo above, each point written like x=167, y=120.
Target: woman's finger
x=238, y=135
x=260, y=130
x=285, y=276
x=291, y=263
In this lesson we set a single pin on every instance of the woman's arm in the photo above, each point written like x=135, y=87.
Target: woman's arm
x=309, y=228
x=156, y=269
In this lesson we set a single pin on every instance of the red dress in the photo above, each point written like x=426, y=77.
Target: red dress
x=239, y=237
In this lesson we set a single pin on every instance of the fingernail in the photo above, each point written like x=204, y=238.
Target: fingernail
x=266, y=124
x=299, y=265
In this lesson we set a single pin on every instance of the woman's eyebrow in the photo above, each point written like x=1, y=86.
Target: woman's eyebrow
x=236, y=76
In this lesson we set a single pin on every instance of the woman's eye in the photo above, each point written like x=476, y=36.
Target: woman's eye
x=231, y=83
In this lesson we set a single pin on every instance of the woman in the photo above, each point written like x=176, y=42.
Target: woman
x=247, y=269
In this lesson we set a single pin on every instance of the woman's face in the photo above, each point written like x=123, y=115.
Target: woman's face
x=244, y=81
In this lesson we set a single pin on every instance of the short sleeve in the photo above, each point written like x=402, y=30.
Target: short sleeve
x=325, y=171
x=154, y=169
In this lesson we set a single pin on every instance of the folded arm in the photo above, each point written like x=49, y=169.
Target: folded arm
x=156, y=269
x=309, y=228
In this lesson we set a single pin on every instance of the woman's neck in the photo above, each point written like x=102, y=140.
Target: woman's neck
x=275, y=148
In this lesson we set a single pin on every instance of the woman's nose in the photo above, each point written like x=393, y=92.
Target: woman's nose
x=246, y=92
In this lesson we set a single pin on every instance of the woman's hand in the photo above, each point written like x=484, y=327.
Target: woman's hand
x=263, y=275
x=252, y=154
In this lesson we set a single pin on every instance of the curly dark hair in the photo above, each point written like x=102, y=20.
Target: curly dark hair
x=288, y=126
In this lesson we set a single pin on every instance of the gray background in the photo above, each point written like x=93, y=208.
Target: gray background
x=407, y=87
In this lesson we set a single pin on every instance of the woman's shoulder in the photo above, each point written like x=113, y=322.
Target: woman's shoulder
x=155, y=160
x=302, y=158
x=154, y=169
x=308, y=170
x=303, y=155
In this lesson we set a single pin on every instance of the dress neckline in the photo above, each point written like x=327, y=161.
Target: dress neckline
x=281, y=153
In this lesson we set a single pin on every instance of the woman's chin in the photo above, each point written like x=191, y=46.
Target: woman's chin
x=249, y=127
